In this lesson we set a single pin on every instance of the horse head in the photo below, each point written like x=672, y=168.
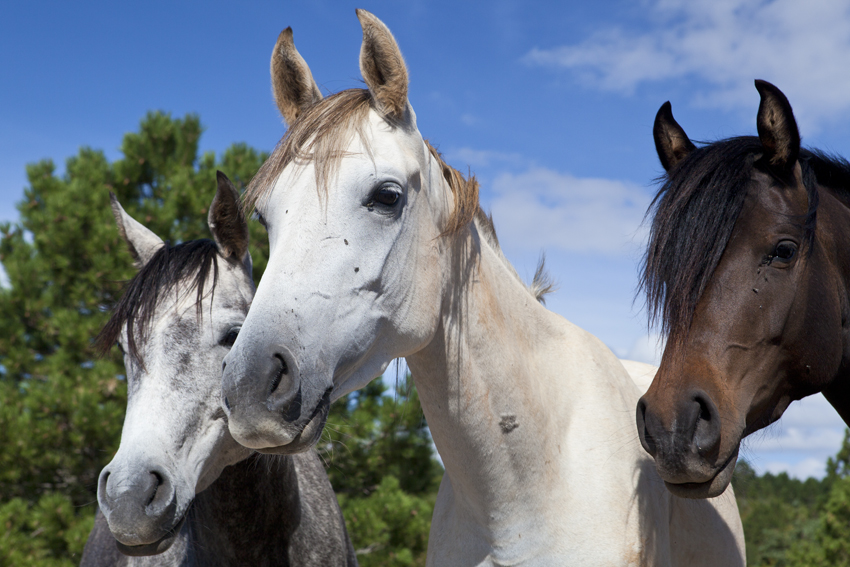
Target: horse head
x=177, y=319
x=745, y=288
x=355, y=203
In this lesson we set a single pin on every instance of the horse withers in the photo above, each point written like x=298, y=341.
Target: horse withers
x=180, y=487
x=379, y=250
x=748, y=272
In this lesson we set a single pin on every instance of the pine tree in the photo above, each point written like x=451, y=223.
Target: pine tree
x=380, y=460
x=61, y=408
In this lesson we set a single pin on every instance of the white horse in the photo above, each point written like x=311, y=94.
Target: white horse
x=379, y=251
x=180, y=488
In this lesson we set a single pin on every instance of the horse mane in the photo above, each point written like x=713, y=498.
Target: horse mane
x=169, y=266
x=694, y=213
x=541, y=284
x=321, y=134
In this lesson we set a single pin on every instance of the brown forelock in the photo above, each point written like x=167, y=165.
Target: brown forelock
x=321, y=135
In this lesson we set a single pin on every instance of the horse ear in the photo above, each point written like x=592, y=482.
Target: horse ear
x=671, y=142
x=142, y=243
x=227, y=222
x=777, y=128
x=382, y=66
x=292, y=82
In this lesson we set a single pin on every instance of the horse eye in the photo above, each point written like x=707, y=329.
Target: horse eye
x=386, y=196
x=230, y=338
x=262, y=220
x=121, y=348
x=785, y=251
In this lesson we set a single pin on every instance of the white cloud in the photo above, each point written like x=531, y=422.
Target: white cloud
x=482, y=158
x=802, y=47
x=647, y=348
x=804, y=469
x=4, y=278
x=808, y=433
x=541, y=208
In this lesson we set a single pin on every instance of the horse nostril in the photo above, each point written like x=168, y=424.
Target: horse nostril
x=223, y=366
x=707, y=426
x=226, y=403
x=646, y=439
x=282, y=371
x=156, y=484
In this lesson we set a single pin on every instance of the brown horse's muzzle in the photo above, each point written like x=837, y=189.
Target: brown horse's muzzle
x=686, y=444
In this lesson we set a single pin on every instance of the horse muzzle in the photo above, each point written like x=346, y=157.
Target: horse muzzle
x=140, y=504
x=686, y=445
x=270, y=406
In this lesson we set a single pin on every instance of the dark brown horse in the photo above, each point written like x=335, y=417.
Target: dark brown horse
x=748, y=272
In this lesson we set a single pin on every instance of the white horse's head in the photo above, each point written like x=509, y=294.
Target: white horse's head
x=359, y=211
x=175, y=322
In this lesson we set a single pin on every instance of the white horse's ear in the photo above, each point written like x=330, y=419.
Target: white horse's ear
x=382, y=66
x=142, y=242
x=292, y=82
x=227, y=221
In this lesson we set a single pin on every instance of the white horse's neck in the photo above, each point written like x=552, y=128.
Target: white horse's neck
x=498, y=388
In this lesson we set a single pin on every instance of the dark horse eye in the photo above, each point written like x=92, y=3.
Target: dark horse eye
x=785, y=251
x=230, y=338
x=386, y=196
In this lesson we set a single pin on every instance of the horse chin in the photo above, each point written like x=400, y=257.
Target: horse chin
x=710, y=488
x=154, y=548
x=308, y=436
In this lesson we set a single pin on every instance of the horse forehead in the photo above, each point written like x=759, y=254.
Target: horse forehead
x=772, y=198
x=399, y=141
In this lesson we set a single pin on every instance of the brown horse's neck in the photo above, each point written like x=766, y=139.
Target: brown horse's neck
x=834, y=216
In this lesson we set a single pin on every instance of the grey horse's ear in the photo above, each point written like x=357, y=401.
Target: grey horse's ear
x=292, y=82
x=777, y=129
x=142, y=243
x=227, y=221
x=382, y=66
x=671, y=142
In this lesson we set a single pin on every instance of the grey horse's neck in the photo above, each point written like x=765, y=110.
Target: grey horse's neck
x=264, y=511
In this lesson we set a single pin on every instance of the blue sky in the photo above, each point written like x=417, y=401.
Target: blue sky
x=550, y=104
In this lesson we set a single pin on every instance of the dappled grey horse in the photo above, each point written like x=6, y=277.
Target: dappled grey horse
x=180, y=489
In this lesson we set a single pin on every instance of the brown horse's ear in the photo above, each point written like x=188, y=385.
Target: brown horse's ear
x=141, y=241
x=777, y=129
x=671, y=142
x=227, y=222
x=382, y=66
x=292, y=82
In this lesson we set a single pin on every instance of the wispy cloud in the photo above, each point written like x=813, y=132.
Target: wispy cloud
x=545, y=209
x=802, y=47
x=809, y=431
x=647, y=348
x=483, y=158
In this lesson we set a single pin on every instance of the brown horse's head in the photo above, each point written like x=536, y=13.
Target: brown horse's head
x=751, y=297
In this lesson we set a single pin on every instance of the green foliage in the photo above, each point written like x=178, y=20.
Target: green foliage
x=380, y=461
x=794, y=523
x=61, y=408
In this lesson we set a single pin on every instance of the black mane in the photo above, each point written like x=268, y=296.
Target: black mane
x=693, y=216
x=169, y=266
